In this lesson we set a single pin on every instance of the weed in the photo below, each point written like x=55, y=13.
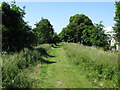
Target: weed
x=100, y=67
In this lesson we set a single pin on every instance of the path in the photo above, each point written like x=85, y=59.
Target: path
x=62, y=74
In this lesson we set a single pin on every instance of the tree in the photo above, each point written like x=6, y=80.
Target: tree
x=16, y=33
x=79, y=22
x=55, y=39
x=86, y=35
x=81, y=29
x=98, y=37
x=66, y=35
x=44, y=31
x=74, y=29
x=117, y=19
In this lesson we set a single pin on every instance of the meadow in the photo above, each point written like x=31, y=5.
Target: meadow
x=99, y=66
x=38, y=57
x=67, y=65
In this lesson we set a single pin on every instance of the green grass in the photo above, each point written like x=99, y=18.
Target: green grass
x=61, y=74
x=67, y=65
x=98, y=66
x=79, y=66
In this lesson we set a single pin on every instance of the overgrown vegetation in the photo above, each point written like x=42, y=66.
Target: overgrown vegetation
x=99, y=67
x=16, y=66
x=24, y=47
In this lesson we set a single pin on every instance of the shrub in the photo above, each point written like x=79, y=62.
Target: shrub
x=15, y=65
x=105, y=48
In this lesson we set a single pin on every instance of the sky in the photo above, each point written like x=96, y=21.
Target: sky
x=58, y=13
x=62, y=0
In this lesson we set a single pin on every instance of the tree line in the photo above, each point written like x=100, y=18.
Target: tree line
x=81, y=29
x=17, y=34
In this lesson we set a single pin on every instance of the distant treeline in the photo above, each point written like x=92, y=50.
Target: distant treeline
x=17, y=34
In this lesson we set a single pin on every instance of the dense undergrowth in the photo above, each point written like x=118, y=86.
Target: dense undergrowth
x=16, y=67
x=98, y=66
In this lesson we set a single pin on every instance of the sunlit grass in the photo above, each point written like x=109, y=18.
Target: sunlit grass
x=98, y=66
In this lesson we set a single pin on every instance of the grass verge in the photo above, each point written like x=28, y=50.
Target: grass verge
x=98, y=66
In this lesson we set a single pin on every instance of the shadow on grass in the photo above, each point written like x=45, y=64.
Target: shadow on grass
x=43, y=52
x=51, y=56
x=43, y=61
x=56, y=47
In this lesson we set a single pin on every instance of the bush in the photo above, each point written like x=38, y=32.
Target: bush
x=42, y=51
x=15, y=65
x=21, y=80
x=105, y=48
x=113, y=47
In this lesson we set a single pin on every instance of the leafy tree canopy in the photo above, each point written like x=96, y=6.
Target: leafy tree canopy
x=81, y=29
x=44, y=31
x=16, y=33
x=74, y=29
x=117, y=19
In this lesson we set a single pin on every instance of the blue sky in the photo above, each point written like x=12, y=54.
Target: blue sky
x=58, y=13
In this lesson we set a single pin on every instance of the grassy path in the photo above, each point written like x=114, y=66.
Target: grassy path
x=62, y=74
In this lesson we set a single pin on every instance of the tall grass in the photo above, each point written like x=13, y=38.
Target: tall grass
x=98, y=66
x=15, y=67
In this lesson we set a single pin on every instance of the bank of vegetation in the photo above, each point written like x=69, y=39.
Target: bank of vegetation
x=24, y=47
x=100, y=67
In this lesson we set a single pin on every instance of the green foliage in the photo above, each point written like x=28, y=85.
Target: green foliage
x=117, y=19
x=87, y=33
x=16, y=33
x=73, y=31
x=106, y=47
x=64, y=35
x=46, y=47
x=98, y=66
x=21, y=80
x=98, y=37
x=80, y=18
x=16, y=66
x=80, y=29
x=44, y=31
x=55, y=39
